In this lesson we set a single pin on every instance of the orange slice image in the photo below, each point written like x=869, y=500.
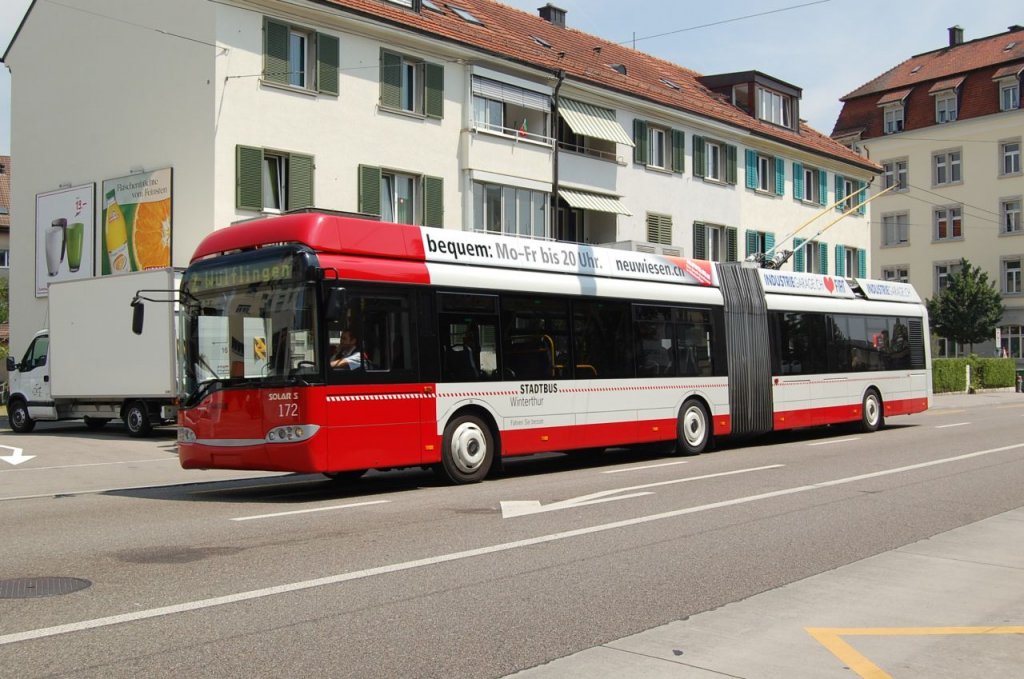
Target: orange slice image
x=151, y=234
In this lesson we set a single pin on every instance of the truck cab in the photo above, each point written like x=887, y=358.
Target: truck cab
x=29, y=381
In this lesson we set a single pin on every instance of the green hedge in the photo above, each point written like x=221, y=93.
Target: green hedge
x=949, y=374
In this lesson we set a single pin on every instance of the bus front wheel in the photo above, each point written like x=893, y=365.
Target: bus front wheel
x=871, y=412
x=467, y=450
x=693, y=428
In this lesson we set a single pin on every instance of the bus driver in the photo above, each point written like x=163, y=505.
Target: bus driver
x=347, y=357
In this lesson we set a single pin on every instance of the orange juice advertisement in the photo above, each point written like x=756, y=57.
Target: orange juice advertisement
x=135, y=231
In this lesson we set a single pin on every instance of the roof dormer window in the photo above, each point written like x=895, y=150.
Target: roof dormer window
x=774, y=107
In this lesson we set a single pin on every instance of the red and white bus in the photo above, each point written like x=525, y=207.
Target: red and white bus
x=466, y=348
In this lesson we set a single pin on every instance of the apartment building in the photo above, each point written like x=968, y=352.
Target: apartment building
x=946, y=127
x=469, y=115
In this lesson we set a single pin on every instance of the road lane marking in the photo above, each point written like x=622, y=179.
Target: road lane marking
x=649, y=466
x=314, y=509
x=831, y=441
x=212, y=602
x=832, y=639
x=88, y=464
x=955, y=424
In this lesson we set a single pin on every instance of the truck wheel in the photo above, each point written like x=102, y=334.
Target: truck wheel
x=136, y=418
x=18, y=417
x=95, y=423
x=468, y=450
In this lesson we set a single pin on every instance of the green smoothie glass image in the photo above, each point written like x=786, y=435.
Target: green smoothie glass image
x=76, y=233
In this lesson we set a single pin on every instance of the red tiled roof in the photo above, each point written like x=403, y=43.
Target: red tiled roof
x=947, y=84
x=947, y=62
x=508, y=33
x=893, y=97
x=1011, y=71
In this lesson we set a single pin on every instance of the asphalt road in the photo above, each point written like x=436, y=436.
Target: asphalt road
x=211, y=574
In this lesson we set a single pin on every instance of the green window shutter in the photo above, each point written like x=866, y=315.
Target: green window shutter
x=326, y=63
x=780, y=177
x=751, y=172
x=700, y=241
x=798, y=181
x=798, y=254
x=823, y=255
x=861, y=197
x=433, y=201
x=390, y=81
x=769, y=242
x=699, y=162
x=369, y=190
x=659, y=229
x=678, y=151
x=840, y=260
x=862, y=263
x=730, y=163
x=751, y=242
x=731, y=238
x=300, y=181
x=640, y=141
x=823, y=183
x=275, y=52
x=839, y=194
x=433, y=99
x=248, y=178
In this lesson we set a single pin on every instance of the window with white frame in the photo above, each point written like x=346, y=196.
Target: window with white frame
x=774, y=107
x=713, y=161
x=813, y=263
x=812, y=187
x=849, y=188
x=300, y=57
x=1009, y=154
x=1009, y=95
x=947, y=169
x=892, y=117
x=510, y=110
x=765, y=173
x=411, y=85
x=949, y=349
x=851, y=262
x=943, y=271
x=1011, y=275
x=1010, y=210
x=899, y=273
x=658, y=147
x=399, y=199
x=510, y=210
x=1011, y=340
x=949, y=223
x=895, y=229
x=5, y=259
x=945, y=107
x=894, y=173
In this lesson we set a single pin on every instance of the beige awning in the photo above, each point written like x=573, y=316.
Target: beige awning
x=593, y=121
x=594, y=201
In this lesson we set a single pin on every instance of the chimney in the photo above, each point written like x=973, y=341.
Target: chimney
x=956, y=36
x=556, y=15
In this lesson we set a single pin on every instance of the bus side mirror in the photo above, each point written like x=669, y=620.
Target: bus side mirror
x=138, y=316
x=336, y=303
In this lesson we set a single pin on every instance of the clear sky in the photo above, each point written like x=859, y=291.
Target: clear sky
x=826, y=47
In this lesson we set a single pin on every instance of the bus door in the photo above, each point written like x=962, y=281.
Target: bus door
x=802, y=358
x=375, y=401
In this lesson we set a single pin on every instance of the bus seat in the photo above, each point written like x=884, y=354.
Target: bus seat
x=458, y=364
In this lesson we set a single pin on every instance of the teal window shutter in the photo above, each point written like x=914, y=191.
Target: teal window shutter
x=862, y=263
x=840, y=260
x=751, y=169
x=823, y=254
x=433, y=201
x=839, y=194
x=300, y=181
x=369, y=190
x=275, y=52
x=769, y=242
x=326, y=63
x=798, y=181
x=861, y=198
x=823, y=183
x=639, y=141
x=700, y=241
x=678, y=151
x=699, y=163
x=751, y=242
x=390, y=81
x=433, y=99
x=780, y=177
x=248, y=178
x=798, y=254
x=730, y=163
x=731, y=238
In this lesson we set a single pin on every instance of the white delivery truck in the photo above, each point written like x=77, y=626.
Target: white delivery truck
x=89, y=364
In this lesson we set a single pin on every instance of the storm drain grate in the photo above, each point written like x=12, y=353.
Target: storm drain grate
x=28, y=588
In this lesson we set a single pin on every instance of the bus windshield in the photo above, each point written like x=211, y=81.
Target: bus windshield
x=248, y=323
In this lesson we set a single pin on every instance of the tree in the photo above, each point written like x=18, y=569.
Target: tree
x=969, y=309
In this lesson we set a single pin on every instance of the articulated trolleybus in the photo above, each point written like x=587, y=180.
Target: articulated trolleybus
x=322, y=343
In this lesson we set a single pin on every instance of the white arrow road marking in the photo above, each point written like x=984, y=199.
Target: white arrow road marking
x=16, y=457
x=513, y=508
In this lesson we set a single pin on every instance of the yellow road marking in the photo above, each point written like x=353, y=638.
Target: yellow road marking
x=832, y=639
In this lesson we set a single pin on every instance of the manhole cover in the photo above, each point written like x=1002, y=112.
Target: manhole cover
x=27, y=588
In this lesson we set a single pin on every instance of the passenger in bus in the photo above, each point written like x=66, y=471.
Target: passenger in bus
x=347, y=356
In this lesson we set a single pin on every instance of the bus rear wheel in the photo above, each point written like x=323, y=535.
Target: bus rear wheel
x=693, y=428
x=871, y=418
x=467, y=450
